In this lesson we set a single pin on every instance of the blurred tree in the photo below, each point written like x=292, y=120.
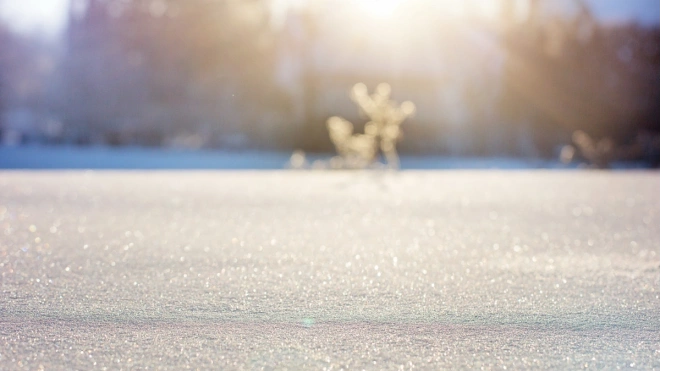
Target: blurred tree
x=566, y=74
x=149, y=70
x=5, y=41
x=26, y=65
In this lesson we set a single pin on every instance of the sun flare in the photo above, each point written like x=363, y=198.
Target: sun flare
x=381, y=9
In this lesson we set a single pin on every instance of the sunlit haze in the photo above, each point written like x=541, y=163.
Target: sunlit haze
x=380, y=8
x=50, y=15
x=34, y=15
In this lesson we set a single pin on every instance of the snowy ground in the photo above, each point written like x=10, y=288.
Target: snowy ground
x=144, y=158
x=426, y=270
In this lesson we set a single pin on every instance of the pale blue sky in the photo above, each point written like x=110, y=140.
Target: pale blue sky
x=645, y=11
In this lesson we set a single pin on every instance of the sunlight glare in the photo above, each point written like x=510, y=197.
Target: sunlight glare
x=489, y=8
x=34, y=15
x=381, y=9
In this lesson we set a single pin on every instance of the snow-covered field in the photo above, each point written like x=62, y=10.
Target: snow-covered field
x=144, y=158
x=426, y=270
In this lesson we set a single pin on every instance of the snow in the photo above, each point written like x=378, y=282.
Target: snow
x=313, y=270
x=102, y=157
x=144, y=158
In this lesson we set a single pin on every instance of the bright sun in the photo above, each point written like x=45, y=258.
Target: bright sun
x=382, y=9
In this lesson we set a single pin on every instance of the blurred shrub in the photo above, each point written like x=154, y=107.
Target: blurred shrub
x=381, y=133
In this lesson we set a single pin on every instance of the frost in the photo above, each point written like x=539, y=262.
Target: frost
x=598, y=153
x=605, y=152
x=329, y=266
x=381, y=132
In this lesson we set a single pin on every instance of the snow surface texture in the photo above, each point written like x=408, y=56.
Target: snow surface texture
x=440, y=270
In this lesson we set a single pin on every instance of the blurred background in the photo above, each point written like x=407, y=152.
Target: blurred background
x=489, y=78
